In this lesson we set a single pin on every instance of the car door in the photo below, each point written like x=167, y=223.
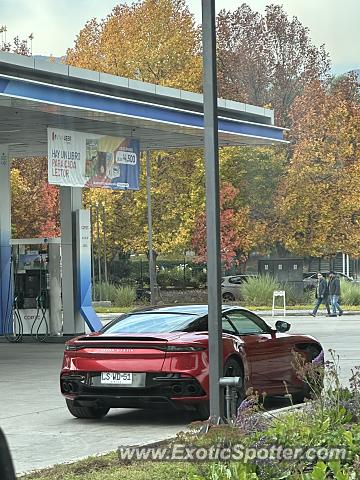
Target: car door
x=268, y=352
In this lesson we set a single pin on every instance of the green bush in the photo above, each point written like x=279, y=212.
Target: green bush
x=296, y=297
x=125, y=297
x=118, y=296
x=258, y=291
x=104, y=291
x=175, y=277
x=350, y=293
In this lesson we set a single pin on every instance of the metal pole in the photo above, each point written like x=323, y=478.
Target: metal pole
x=149, y=209
x=98, y=250
x=104, y=241
x=212, y=207
x=92, y=251
x=184, y=270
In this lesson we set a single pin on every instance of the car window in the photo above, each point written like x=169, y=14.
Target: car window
x=246, y=323
x=236, y=280
x=227, y=327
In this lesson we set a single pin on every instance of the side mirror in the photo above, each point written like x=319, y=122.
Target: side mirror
x=282, y=326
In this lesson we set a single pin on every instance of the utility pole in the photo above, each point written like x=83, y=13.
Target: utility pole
x=212, y=207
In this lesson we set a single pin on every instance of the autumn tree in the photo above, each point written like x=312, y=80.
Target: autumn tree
x=318, y=200
x=154, y=41
x=266, y=59
x=177, y=195
x=34, y=203
x=239, y=233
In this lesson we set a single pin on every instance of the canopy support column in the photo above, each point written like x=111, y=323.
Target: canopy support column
x=70, y=202
x=6, y=299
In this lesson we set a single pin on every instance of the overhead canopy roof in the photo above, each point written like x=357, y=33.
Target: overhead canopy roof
x=36, y=94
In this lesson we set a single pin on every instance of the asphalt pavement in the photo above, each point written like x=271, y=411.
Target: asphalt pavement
x=41, y=432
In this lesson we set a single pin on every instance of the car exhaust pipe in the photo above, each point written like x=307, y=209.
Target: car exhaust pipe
x=65, y=387
x=191, y=389
x=177, y=389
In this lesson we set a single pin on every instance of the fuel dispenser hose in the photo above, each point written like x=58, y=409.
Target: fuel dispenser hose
x=14, y=328
x=41, y=318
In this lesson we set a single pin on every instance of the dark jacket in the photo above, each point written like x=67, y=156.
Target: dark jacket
x=322, y=290
x=334, y=286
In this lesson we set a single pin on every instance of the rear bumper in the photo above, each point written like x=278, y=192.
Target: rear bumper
x=159, y=388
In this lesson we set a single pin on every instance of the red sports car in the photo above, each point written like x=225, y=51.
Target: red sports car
x=160, y=355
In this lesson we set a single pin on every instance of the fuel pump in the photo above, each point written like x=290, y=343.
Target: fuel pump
x=36, y=307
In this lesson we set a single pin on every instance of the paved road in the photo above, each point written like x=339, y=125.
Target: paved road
x=41, y=432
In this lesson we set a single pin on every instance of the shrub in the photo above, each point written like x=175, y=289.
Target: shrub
x=119, y=296
x=350, y=293
x=258, y=291
x=125, y=296
x=296, y=297
x=105, y=291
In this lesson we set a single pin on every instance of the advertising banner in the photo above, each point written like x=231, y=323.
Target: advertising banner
x=78, y=159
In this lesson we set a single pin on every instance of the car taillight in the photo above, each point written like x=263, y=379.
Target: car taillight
x=184, y=348
x=71, y=347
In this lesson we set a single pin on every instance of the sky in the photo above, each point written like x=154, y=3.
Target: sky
x=55, y=23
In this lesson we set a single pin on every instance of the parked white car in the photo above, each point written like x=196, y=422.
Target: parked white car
x=231, y=286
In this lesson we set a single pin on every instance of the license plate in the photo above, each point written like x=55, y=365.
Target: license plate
x=116, y=378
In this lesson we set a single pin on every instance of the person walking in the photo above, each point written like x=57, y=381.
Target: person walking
x=321, y=295
x=334, y=292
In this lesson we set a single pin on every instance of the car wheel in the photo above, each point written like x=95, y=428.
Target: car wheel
x=233, y=368
x=228, y=297
x=86, y=412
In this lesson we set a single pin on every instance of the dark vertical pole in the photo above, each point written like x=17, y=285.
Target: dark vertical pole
x=184, y=270
x=212, y=205
x=105, y=249
x=98, y=251
x=92, y=251
x=152, y=272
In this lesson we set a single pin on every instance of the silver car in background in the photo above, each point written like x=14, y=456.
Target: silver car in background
x=231, y=286
x=310, y=280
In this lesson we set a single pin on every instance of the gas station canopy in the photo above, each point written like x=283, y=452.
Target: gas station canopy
x=36, y=94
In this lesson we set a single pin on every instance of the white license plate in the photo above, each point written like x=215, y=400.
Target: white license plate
x=116, y=378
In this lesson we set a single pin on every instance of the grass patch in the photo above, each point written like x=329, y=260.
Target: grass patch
x=108, y=467
x=113, y=309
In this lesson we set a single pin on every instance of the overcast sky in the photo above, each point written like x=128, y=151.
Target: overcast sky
x=55, y=23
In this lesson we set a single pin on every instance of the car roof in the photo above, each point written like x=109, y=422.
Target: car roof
x=198, y=310
x=241, y=275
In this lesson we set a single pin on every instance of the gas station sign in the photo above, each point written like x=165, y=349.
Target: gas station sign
x=78, y=159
